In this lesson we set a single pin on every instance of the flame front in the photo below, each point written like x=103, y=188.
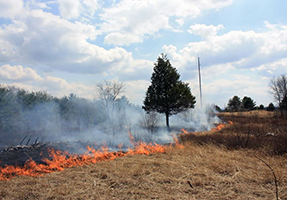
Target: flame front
x=184, y=131
x=221, y=126
x=60, y=160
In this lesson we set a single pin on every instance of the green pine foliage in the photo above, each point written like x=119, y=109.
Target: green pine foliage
x=248, y=103
x=270, y=107
x=167, y=94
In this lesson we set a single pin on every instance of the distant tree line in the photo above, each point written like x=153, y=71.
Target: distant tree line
x=40, y=114
x=235, y=104
x=278, y=90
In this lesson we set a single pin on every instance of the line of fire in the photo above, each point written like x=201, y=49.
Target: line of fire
x=43, y=158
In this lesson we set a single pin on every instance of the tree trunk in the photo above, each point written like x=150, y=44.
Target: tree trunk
x=167, y=121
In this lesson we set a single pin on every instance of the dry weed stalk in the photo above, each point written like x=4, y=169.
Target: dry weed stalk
x=189, y=184
x=274, y=175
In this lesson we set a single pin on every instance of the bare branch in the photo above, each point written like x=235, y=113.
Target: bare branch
x=23, y=139
x=275, y=178
x=189, y=184
x=278, y=88
x=110, y=90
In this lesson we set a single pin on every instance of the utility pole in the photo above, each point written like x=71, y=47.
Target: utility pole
x=199, y=75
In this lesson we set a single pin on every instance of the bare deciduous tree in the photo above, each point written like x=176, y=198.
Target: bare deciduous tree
x=278, y=88
x=149, y=125
x=150, y=122
x=109, y=92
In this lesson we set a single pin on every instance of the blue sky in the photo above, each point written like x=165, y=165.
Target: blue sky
x=68, y=46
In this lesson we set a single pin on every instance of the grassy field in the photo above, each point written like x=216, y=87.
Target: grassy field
x=206, y=168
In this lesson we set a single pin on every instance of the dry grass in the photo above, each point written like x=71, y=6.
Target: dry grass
x=213, y=171
x=253, y=113
x=260, y=130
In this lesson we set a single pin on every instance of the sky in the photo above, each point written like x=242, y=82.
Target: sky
x=70, y=46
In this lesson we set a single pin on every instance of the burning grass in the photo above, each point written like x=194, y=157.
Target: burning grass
x=60, y=160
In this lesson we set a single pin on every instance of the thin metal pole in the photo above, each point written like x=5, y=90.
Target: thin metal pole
x=199, y=75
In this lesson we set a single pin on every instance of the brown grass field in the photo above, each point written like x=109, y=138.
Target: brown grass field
x=215, y=168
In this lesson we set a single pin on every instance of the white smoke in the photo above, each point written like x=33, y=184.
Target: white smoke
x=89, y=122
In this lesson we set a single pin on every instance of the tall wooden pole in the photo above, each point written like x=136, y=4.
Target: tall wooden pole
x=199, y=75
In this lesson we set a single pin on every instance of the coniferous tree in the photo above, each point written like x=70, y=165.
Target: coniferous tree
x=261, y=107
x=270, y=107
x=248, y=103
x=234, y=104
x=167, y=94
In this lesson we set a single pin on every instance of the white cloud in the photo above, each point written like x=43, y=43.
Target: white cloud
x=136, y=90
x=180, y=21
x=33, y=4
x=45, y=39
x=29, y=79
x=145, y=18
x=10, y=9
x=242, y=49
x=220, y=90
x=18, y=73
x=69, y=9
x=60, y=87
x=205, y=31
x=7, y=51
x=181, y=60
x=277, y=40
x=73, y=9
x=276, y=68
x=89, y=7
x=215, y=70
x=55, y=83
x=131, y=69
x=121, y=39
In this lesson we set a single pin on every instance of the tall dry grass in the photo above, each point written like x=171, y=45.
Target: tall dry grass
x=260, y=130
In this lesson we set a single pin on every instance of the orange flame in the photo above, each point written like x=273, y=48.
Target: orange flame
x=218, y=127
x=184, y=131
x=221, y=126
x=177, y=144
x=132, y=139
x=61, y=160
